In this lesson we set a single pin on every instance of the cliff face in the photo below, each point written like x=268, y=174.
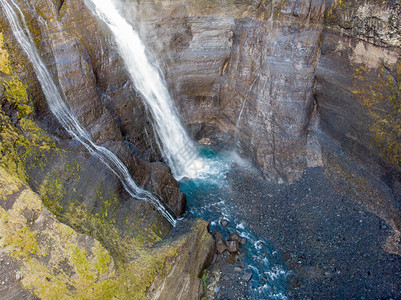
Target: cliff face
x=242, y=73
x=77, y=188
x=97, y=90
x=257, y=75
x=358, y=87
x=246, y=74
x=361, y=46
x=267, y=89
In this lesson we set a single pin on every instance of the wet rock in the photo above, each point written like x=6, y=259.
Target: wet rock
x=246, y=276
x=18, y=276
x=184, y=180
x=224, y=222
x=234, y=237
x=232, y=246
x=217, y=236
x=220, y=246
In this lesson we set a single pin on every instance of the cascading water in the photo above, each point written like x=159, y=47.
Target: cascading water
x=64, y=115
x=206, y=187
x=178, y=149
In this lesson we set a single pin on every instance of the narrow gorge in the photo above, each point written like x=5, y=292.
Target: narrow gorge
x=208, y=149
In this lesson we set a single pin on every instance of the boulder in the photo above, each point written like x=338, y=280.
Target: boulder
x=224, y=222
x=234, y=237
x=232, y=246
x=247, y=276
x=220, y=246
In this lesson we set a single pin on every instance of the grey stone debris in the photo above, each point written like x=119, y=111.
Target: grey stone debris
x=247, y=276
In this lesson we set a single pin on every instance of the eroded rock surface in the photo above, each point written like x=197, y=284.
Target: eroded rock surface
x=242, y=73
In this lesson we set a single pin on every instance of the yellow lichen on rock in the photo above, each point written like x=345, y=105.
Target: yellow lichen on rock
x=5, y=65
x=55, y=260
x=382, y=98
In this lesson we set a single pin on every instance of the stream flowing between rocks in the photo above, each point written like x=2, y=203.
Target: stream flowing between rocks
x=262, y=274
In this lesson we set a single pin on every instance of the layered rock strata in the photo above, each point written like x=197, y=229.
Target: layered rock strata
x=242, y=73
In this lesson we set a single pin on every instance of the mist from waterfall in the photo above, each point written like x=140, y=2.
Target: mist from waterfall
x=178, y=149
x=66, y=118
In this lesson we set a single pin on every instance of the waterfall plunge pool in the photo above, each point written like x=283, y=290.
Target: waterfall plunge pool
x=210, y=196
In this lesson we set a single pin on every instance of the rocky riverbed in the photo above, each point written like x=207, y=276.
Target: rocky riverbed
x=332, y=243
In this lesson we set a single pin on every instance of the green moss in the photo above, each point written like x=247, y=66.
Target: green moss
x=18, y=137
x=76, y=267
x=21, y=239
x=16, y=95
x=72, y=268
x=204, y=278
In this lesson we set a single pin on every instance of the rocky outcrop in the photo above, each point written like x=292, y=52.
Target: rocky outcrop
x=196, y=254
x=41, y=258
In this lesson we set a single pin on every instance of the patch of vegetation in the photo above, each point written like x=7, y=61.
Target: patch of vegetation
x=204, y=278
x=5, y=66
x=19, y=135
x=382, y=98
x=55, y=260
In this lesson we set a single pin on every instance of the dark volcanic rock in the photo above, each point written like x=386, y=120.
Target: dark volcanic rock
x=332, y=245
x=234, y=237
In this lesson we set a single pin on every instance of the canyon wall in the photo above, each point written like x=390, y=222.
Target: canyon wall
x=360, y=56
x=242, y=73
x=75, y=187
x=259, y=76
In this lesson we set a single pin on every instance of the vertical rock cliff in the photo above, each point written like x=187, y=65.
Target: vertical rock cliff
x=242, y=73
x=76, y=187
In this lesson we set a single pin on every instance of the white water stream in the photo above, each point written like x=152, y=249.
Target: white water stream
x=178, y=149
x=66, y=118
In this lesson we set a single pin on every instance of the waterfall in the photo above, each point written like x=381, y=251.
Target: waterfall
x=177, y=148
x=66, y=118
